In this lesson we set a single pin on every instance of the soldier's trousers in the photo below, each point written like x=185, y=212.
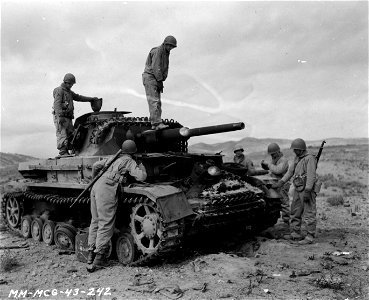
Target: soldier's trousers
x=153, y=100
x=64, y=128
x=104, y=204
x=285, y=212
x=303, y=211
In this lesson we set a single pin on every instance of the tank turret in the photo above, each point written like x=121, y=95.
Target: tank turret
x=102, y=133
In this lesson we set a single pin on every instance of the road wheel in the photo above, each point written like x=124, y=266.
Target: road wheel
x=48, y=232
x=64, y=237
x=147, y=228
x=26, y=226
x=126, y=248
x=13, y=212
x=36, y=229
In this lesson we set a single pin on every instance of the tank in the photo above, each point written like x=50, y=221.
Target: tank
x=184, y=194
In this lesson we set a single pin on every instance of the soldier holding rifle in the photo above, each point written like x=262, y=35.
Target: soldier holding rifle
x=304, y=178
x=104, y=201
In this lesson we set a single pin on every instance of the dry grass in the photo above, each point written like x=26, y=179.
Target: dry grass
x=8, y=261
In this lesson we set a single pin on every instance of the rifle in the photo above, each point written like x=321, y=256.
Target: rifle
x=107, y=165
x=319, y=153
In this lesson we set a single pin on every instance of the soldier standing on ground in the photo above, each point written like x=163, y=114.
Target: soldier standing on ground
x=104, y=202
x=63, y=111
x=303, y=207
x=155, y=73
x=277, y=168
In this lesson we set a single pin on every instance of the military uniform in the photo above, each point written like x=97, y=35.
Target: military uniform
x=104, y=199
x=277, y=168
x=245, y=161
x=63, y=111
x=303, y=174
x=155, y=73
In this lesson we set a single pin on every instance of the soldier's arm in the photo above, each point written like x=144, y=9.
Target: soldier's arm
x=310, y=172
x=279, y=168
x=156, y=65
x=58, y=102
x=250, y=165
x=81, y=98
x=290, y=171
x=137, y=171
x=97, y=167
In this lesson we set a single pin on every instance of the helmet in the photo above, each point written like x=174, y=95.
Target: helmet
x=298, y=144
x=170, y=40
x=238, y=147
x=129, y=147
x=69, y=78
x=273, y=148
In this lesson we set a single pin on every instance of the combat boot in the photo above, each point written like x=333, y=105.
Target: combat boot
x=99, y=262
x=91, y=256
x=294, y=236
x=307, y=240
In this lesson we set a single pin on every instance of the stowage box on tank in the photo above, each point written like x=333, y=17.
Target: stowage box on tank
x=184, y=193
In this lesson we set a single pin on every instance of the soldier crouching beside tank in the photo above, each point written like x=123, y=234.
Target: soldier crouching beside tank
x=277, y=168
x=63, y=111
x=303, y=207
x=104, y=202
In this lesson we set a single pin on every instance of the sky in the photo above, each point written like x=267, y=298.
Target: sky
x=285, y=69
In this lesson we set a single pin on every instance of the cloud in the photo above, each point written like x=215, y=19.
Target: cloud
x=286, y=69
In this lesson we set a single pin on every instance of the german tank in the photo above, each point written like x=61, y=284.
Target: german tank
x=184, y=193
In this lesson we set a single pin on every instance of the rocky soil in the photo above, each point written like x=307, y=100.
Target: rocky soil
x=237, y=265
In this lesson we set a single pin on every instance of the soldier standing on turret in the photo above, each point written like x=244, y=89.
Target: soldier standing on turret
x=242, y=159
x=277, y=168
x=63, y=111
x=155, y=73
x=303, y=207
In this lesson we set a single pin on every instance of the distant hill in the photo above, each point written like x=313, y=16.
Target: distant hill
x=257, y=146
x=9, y=165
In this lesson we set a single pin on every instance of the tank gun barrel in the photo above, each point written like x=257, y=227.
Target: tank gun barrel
x=156, y=137
x=187, y=132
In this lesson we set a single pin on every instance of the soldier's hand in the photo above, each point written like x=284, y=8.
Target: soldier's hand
x=307, y=195
x=264, y=165
x=277, y=184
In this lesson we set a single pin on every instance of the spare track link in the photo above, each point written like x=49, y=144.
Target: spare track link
x=172, y=231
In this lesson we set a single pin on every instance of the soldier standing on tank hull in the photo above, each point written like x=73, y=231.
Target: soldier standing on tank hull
x=277, y=168
x=303, y=207
x=63, y=111
x=155, y=73
x=104, y=202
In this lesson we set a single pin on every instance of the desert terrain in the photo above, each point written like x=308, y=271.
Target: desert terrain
x=236, y=265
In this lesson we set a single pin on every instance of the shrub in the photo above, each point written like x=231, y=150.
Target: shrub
x=8, y=261
x=335, y=200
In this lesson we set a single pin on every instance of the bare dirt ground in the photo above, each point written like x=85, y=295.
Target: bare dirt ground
x=232, y=266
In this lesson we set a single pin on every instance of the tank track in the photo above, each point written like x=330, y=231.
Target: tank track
x=172, y=231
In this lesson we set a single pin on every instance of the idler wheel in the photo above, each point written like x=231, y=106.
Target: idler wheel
x=13, y=212
x=146, y=228
x=36, y=229
x=48, y=232
x=26, y=226
x=64, y=236
x=126, y=248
